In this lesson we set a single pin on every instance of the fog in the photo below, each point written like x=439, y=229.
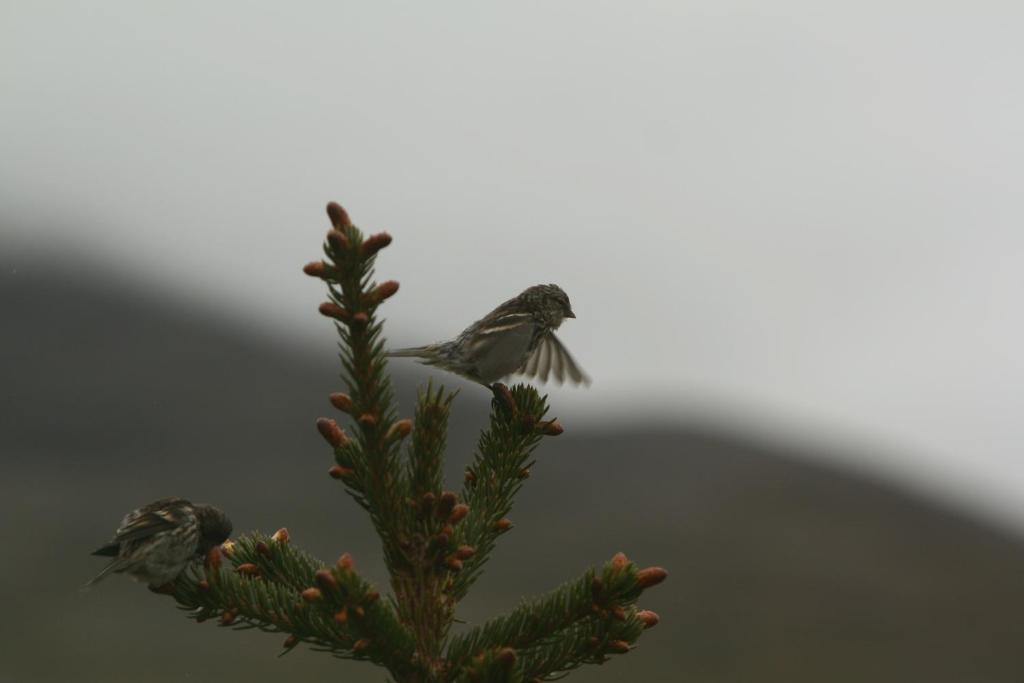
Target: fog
x=798, y=220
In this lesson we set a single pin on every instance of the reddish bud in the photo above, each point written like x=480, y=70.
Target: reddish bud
x=459, y=513
x=453, y=563
x=367, y=420
x=384, y=290
x=550, y=427
x=339, y=472
x=427, y=503
x=332, y=433
x=360, y=318
x=359, y=612
x=648, y=618
x=317, y=269
x=290, y=642
x=263, y=549
x=446, y=504
x=281, y=536
x=372, y=597
x=524, y=473
x=333, y=310
x=203, y=586
x=337, y=240
x=345, y=562
x=339, y=217
x=470, y=476
x=361, y=645
x=213, y=558
x=342, y=402
x=248, y=569
x=464, y=552
x=312, y=595
x=375, y=243
x=326, y=580
x=619, y=646
x=503, y=525
x=228, y=617
x=506, y=656
x=341, y=616
x=652, y=576
x=617, y=612
x=619, y=562
x=400, y=429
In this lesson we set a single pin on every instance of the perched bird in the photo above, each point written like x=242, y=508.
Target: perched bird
x=156, y=542
x=518, y=337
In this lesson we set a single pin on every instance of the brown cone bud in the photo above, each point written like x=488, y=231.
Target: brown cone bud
x=375, y=243
x=213, y=559
x=203, y=586
x=445, y=504
x=339, y=472
x=326, y=580
x=384, y=290
x=360, y=318
x=367, y=420
x=617, y=612
x=619, y=562
x=345, y=562
x=342, y=402
x=426, y=504
x=281, y=536
x=503, y=524
x=341, y=616
x=507, y=657
x=464, y=552
x=332, y=433
x=459, y=513
x=290, y=642
x=524, y=473
x=248, y=569
x=652, y=576
x=550, y=427
x=339, y=217
x=372, y=597
x=453, y=563
x=620, y=646
x=317, y=269
x=312, y=595
x=333, y=310
x=263, y=549
x=337, y=240
x=400, y=429
x=228, y=617
x=470, y=476
x=361, y=645
x=359, y=612
x=648, y=618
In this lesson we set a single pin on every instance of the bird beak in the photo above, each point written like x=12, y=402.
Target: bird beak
x=570, y=314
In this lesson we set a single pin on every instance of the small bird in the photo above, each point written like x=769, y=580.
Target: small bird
x=518, y=337
x=156, y=542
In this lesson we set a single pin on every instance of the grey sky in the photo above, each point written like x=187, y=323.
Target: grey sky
x=801, y=219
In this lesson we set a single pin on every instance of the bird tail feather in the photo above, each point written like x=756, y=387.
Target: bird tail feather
x=411, y=352
x=112, y=567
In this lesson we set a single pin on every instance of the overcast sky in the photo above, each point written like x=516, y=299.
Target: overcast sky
x=800, y=219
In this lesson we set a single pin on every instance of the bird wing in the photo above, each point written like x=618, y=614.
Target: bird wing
x=156, y=517
x=551, y=357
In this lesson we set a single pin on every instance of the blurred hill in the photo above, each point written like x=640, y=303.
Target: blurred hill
x=781, y=570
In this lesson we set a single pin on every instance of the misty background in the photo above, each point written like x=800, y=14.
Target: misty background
x=790, y=233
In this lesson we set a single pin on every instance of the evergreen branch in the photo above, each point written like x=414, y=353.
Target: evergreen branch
x=270, y=585
x=429, y=441
x=369, y=462
x=497, y=473
x=576, y=623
